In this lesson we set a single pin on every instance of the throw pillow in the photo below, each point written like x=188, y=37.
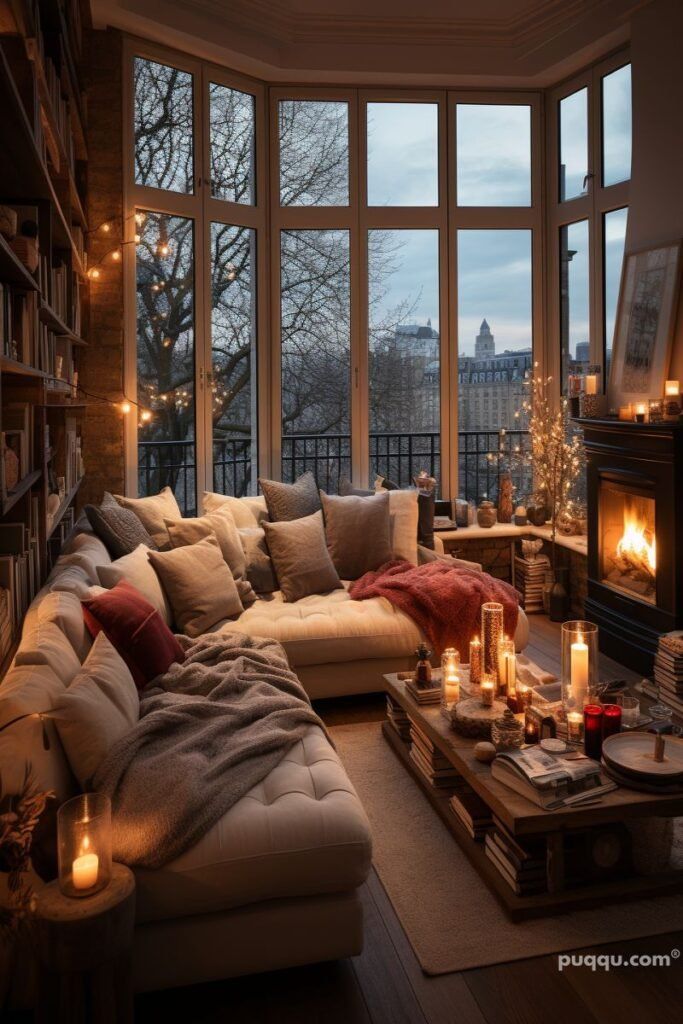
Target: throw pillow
x=300, y=557
x=136, y=569
x=199, y=584
x=259, y=566
x=151, y=512
x=286, y=502
x=403, y=517
x=222, y=527
x=119, y=528
x=345, y=487
x=99, y=707
x=135, y=628
x=247, y=513
x=47, y=645
x=358, y=532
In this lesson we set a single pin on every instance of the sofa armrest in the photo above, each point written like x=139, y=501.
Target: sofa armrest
x=424, y=555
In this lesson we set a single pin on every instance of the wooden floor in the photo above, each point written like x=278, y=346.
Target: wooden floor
x=385, y=984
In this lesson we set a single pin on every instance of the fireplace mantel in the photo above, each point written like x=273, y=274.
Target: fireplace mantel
x=646, y=457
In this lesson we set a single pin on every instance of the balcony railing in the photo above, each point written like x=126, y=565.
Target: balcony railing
x=397, y=457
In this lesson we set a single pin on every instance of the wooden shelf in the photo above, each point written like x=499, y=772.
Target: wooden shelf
x=20, y=490
x=13, y=271
x=8, y=365
x=48, y=316
x=59, y=515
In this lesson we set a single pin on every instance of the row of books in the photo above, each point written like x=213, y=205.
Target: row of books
x=434, y=766
x=669, y=670
x=529, y=580
x=473, y=813
x=398, y=719
x=69, y=456
x=20, y=565
x=6, y=623
x=522, y=865
x=18, y=323
x=16, y=445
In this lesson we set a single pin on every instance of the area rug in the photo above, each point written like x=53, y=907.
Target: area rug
x=450, y=917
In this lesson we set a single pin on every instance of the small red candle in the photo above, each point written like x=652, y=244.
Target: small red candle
x=611, y=720
x=592, y=721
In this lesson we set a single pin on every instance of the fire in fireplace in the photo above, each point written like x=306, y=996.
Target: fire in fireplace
x=628, y=543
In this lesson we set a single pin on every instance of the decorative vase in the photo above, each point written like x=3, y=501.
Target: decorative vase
x=536, y=514
x=486, y=514
x=558, y=597
x=505, y=498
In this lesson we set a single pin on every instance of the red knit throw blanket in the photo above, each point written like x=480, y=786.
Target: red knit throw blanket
x=443, y=600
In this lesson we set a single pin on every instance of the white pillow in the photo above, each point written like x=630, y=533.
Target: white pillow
x=99, y=707
x=138, y=571
x=403, y=516
x=247, y=513
x=151, y=512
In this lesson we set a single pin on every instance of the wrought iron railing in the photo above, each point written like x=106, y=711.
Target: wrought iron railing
x=396, y=456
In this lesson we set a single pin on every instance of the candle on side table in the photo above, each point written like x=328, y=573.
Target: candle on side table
x=84, y=871
x=611, y=720
x=475, y=661
x=488, y=686
x=592, y=724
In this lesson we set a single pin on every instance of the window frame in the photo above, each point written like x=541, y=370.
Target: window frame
x=599, y=200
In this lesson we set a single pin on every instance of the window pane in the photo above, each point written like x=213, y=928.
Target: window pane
x=493, y=155
x=616, y=126
x=574, y=300
x=233, y=348
x=615, y=237
x=316, y=355
x=573, y=144
x=232, y=144
x=403, y=268
x=403, y=154
x=163, y=126
x=495, y=353
x=165, y=362
x=314, y=153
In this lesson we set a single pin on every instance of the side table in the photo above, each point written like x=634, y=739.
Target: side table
x=84, y=951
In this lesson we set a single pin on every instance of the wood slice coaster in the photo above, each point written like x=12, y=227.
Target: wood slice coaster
x=632, y=754
x=471, y=718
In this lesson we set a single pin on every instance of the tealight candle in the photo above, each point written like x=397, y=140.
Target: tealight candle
x=85, y=869
x=575, y=726
x=475, y=661
x=488, y=685
x=640, y=412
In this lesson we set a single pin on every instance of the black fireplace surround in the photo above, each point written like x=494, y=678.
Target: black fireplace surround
x=646, y=459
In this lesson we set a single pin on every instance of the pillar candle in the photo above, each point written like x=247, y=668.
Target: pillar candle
x=672, y=388
x=84, y=871
x=592, y=724
x=488, y=686
x=611, y=720
x=626, y=412
x=591, y=384
x=579, y=671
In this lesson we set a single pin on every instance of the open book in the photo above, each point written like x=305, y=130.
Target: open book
x=546, y=778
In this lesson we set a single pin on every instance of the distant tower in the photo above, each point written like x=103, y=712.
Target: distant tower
x=485, y=346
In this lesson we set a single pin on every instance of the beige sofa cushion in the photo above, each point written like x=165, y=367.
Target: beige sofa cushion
x=302, y=831
x=46, y=644
x=299, y=554
x=199, y=585
x=330, y=627
x=247, y=513
x=152, y=511
x=99, y=707
x=64, y=609
x=137, y=570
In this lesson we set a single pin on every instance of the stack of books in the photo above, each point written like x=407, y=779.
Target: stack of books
x=431, y=763
x=428, y=695
x=474, y=814
x=529, y=577
x=549, y=779
x=523, y=867
x=398, y=719
x=669, y=669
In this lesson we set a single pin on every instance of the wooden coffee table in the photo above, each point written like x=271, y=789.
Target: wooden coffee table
x=524, y=821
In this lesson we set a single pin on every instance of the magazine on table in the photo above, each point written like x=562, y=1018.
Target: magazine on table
x=546, y=778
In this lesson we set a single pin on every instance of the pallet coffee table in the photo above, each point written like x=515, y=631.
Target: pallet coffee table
x=583, y=836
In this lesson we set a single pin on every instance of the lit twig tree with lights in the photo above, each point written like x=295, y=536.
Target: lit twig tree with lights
x=557, y=453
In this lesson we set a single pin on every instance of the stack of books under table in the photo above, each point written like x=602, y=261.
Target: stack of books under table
x=431, y=763
x=529, y=578
x=669, y=670
x=474, y=814
x=523, y=867
x=398, y=718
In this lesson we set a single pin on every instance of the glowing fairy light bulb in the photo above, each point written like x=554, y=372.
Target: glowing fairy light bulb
x=145, y=415
x=93, y=273
x=124, y=407
x=116, y=255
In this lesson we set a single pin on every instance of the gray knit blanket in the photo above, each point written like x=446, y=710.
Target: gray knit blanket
x=209, y=730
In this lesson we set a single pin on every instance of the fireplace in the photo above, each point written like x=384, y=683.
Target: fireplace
x=635, y=535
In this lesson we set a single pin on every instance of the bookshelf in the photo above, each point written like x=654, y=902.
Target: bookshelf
x=43, y=293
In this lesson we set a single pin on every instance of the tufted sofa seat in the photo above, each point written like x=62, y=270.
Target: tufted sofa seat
x=300, y=832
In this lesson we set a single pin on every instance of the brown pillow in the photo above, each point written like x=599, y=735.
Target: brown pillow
x=358, y=532
x=259, y=566
x=222, y=527
x=199, y=585
x=291, y=501
x=300, y=557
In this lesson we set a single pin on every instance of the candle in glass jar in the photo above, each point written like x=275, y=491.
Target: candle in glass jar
x=451, y=688
x=531, y=728
x=592, y=726
x=626, y=412
x=488, y=686
x=672, y=388
x=85, y=867
x=575, y=726
x=579, y=670
x=640, y=412
x=475, y=661
x=611, y=720
x=591, y=387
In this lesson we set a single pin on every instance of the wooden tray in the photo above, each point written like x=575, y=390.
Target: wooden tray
x=632, y=754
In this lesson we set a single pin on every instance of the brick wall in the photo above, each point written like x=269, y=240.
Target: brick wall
x=493, y=554
x=102, y=362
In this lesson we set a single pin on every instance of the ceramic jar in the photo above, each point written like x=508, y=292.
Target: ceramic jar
x=487, y=515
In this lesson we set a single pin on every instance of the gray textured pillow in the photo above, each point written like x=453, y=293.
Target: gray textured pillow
x=299, y=553
x=199, y=585
x=259, y=566
x=119, y=528
x=358, y=532
x=286, y=502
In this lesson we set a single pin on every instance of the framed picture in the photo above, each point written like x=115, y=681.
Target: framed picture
x=646, y=314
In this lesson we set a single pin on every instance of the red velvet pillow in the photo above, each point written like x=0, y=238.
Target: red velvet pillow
x=136, y=630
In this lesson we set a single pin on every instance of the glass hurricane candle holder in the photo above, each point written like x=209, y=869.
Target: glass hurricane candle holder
x=450, y=679
x=491, y=633
x=84, y=844
x=579, y=664
x=507, y=667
